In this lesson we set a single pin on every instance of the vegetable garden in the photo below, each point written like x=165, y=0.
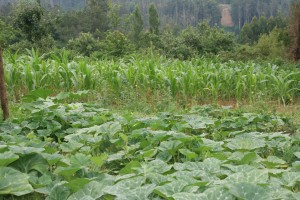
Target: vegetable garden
x=202, y=79
x=58, y=148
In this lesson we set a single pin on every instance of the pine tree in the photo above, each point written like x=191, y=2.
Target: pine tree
x=138, y=24
x=153, y=20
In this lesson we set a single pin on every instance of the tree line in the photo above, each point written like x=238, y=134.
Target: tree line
x=180, y=29
x=178, y=12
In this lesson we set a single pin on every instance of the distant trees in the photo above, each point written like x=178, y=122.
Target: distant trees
x=174, y=28
x=97, y=15
x=137, y=25
x=251, y=32
x=35, y=25
x=199, y=40
x=153, y=20
x=7, y=34
x=28, y=18
x=243, y=11
x=84, y=44
x=180, y=12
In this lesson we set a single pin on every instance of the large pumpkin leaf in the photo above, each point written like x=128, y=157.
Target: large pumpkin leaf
x=218, y=192
x=291, y=178
x=209, y=194
x=92, y=190
x=189, y=196
x=212, y=165
x=198, y=122
x=31, y=162
x=139, y=193
x=67, y=171
x=14, y=182
x=59, y=192
x=169, y=189
x=77, y=183
x=131, y=188
x=246, y=143
x=254, y=176
x=297, y=154
x=7, y=157
x=25, y=150
x=248, y=191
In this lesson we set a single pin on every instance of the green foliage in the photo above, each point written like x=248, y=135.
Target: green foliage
x=76, y=23
x=116, y=44
x=137, y=25
x=251, y=32
x=199, y=41
x=114, y=15
x=29, y=17
x=136, y=77
x=241, y=53
x=84, y=44
x=271, y=45
x=44, y=45
x=153, y=20
x=215, y=39
x=7, y=34
x=82, y=151
x=96, y=15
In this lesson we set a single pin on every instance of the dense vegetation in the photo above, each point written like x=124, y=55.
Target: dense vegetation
x=184, y=13
x=80, y=151
x=153, y=64
x=134, y=78
x=116, y=28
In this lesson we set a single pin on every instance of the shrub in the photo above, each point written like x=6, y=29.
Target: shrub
x=84, y=44
x=271, y=45
x=44, y=45
x=116, y=44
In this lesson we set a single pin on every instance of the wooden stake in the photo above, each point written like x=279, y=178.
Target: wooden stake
x=3, y=93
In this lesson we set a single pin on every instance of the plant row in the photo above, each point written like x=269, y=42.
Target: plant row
x=200, y=78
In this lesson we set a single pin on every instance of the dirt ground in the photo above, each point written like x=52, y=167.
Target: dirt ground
x=226, y=19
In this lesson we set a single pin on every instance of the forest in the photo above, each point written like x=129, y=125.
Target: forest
x=172, y=28
x=150, y=100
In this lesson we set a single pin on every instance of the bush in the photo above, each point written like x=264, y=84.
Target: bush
x=214, y=39
x=44, y=45
x=7, y=34
x=271, y=45
x=176, y=48
x=116, y=44
x=84, y=44
x=240, y=53
x=199, y=40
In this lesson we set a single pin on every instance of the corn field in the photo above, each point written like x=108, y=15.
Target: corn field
x=200, y=78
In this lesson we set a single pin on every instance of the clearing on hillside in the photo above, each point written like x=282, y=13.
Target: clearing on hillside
x=226, y=19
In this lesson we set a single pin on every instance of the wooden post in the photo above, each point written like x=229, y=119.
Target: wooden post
x=3, y=93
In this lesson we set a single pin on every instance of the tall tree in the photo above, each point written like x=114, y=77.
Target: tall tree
x=28, y=18
x=3, y=93
x=97, y=15
x=114, y=15
x=295, y=30
x=138, y=24
x=153, y=20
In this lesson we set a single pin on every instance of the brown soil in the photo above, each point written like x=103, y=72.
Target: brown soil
x=226, y=19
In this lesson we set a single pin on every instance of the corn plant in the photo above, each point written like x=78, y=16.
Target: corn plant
x=200, y=78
